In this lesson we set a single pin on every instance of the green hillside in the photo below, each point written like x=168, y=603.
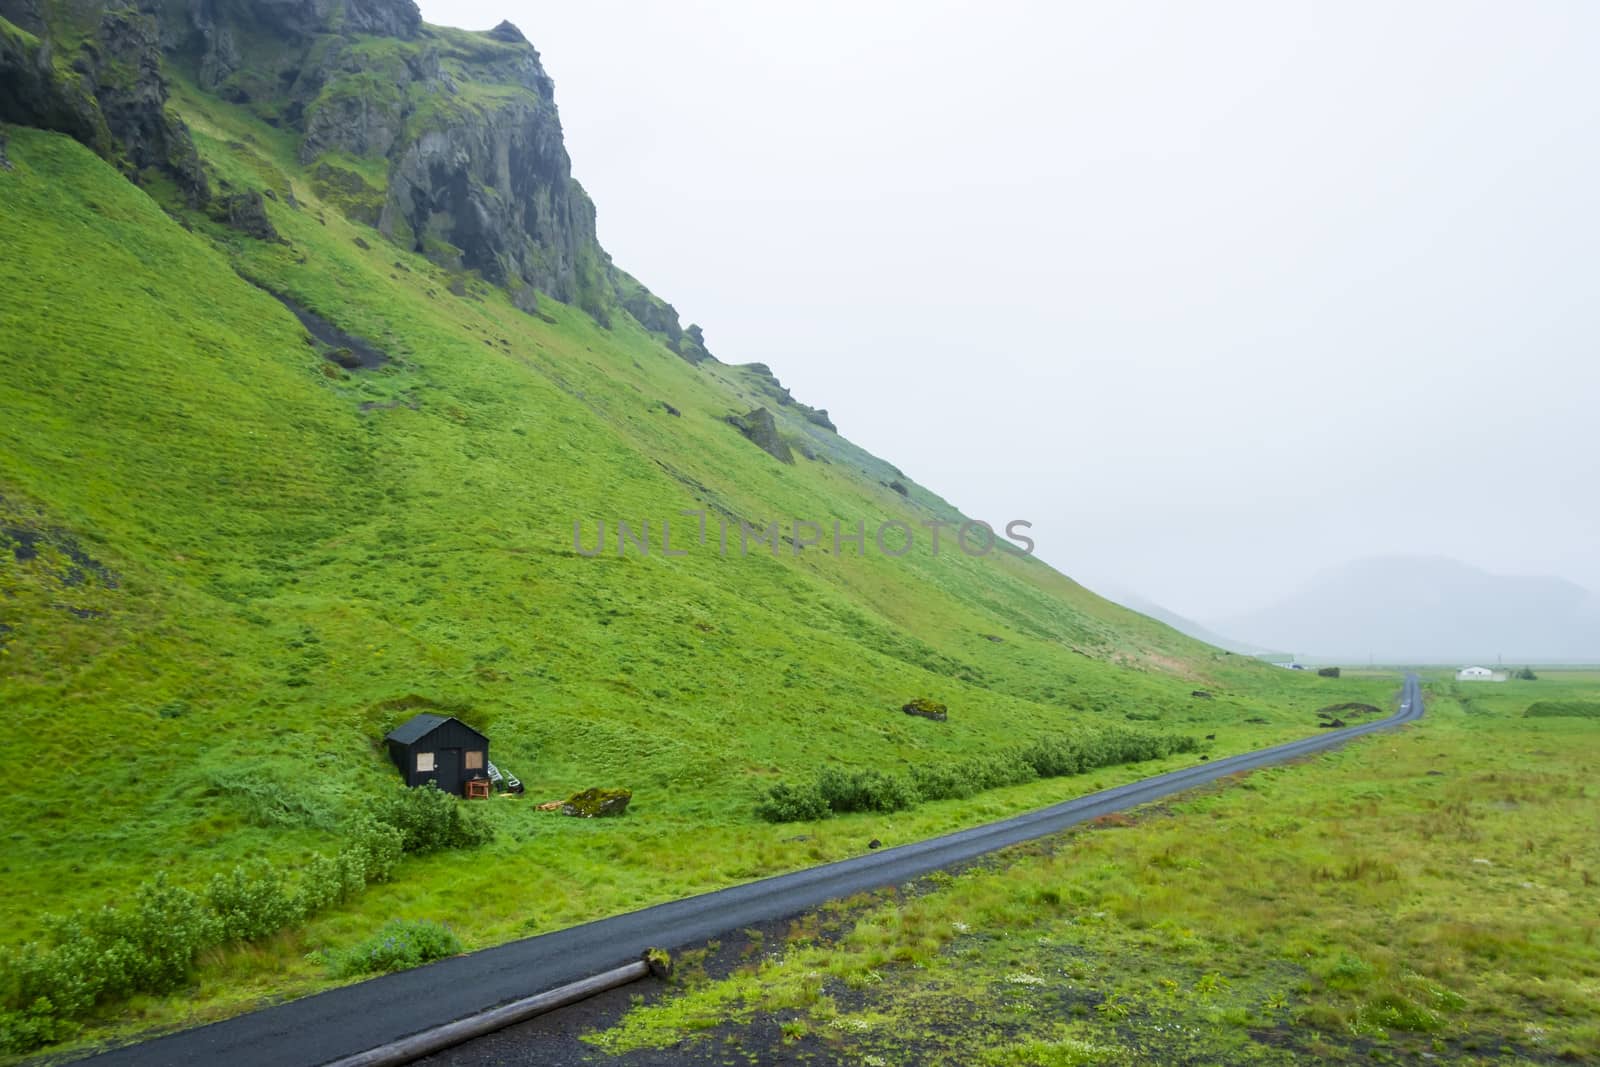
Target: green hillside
x=229, y=565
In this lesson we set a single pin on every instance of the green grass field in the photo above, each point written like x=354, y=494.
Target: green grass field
x=1422, y=895
x=227, y=568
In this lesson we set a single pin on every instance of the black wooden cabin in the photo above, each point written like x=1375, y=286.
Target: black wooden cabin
x=441, y=750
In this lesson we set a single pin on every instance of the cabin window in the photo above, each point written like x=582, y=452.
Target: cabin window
x=474, y=760
x=424, y=761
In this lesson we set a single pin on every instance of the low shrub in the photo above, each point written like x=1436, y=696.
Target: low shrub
x=1056, y=757
x=251, y=904
x=837, y=790
x=399, y=945
x=374, y=851
x=430, y=819
x=969, y=777
x=1576, y=709
x=866, y=790
x=149, y=944
x=792, y=803
x=943, y=781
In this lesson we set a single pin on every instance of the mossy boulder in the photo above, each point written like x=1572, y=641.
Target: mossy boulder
x=245, y=212
x=597, y=803
x=927, y=709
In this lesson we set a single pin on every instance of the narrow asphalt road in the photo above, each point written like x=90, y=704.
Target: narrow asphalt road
x=351, y=1019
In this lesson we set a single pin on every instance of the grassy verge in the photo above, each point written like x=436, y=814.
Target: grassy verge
x=1427, y=893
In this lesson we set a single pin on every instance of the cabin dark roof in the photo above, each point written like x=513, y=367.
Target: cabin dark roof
x=420, y=726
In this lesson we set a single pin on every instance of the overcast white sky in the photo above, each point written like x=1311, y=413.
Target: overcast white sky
x=1215, y=294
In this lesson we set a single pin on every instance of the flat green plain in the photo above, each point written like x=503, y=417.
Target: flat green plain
x=1424, y=895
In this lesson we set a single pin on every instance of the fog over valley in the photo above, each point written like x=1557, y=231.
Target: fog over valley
x=1218, y=299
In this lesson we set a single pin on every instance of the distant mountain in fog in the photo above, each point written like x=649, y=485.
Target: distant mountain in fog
x=1420, y=609
x=1178, y=622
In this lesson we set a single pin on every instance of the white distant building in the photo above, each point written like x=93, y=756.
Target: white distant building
x=1477, y=674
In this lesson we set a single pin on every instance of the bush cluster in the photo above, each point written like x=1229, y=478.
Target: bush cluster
x=430, y=820
x=1577, y=709
x=792, y=803
x=867, y=790
x=397, y=946
x=837, y=790
x=149, y=944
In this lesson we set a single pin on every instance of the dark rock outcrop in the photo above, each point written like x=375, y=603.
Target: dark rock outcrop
x=210, y=31
x=651, y=312
x=384, y=18
x=692, y=345
x=525, y=298
x=25, y=15
x=122, y=67
x=509, y=33
x=819, y=417
x=762, y=430
x=767, y=382
x=245, y=212
x=34, y=93
x=112, y=98
x=498, y=190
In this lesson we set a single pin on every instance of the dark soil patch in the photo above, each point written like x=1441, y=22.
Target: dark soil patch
x=389, y=405
x=25, y=542
x=345, y=349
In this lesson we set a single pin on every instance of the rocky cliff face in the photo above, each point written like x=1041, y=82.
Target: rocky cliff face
x=494, y=183
x=110, y=92
x=464, y=125
x=213, y=32
x=478, y=176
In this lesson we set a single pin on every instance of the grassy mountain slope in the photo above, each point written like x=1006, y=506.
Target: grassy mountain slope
x=228, y=567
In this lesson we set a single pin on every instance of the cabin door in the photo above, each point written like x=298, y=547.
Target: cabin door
x=449, y=770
